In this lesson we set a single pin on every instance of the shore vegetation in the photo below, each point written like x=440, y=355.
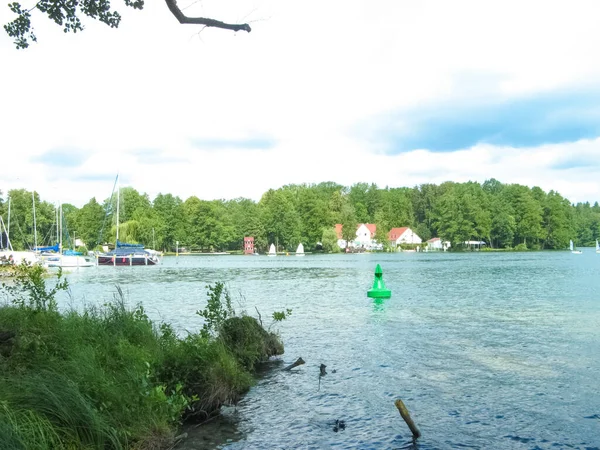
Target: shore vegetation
x=108, y=377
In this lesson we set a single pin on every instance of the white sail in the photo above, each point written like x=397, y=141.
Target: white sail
x=272, y=251
x=300, y=250
x=571, y=245
x=597, y=247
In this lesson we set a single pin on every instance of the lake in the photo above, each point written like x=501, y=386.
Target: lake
x=487, y=350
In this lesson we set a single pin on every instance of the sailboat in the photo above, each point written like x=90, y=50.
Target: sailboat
x=68, y=258
x=272, y=251
x=573, y=250
x=597, y=247
x=300, y=250
x=125, y=254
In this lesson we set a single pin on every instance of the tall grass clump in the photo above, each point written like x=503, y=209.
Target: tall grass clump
x=109, y=378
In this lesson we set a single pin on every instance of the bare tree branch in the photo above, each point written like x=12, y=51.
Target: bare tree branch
x=182, y=18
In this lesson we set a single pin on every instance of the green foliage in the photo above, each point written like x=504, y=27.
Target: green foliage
x=249, y=341
x=30, y=291
x=348, y=222
x=522, y=247
x=329, y=241
x=208, y=372
x=22, y=232
x=501, y=215
x=62, y=416
x=280, y=218
x=218, y=309
x=278, y=316
x=65, y=14
x=25, y=429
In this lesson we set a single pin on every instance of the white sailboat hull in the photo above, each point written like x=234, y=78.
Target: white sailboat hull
x=68, y=261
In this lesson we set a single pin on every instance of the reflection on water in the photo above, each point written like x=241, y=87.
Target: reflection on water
x=486, y=350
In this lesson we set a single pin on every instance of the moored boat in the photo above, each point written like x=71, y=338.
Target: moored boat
x=128, y=255
x=125, y=254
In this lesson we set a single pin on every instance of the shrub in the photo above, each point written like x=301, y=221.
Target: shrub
x=249, y=341
x=30, y=290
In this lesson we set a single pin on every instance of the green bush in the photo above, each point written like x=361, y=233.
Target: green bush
x=209, y=374
x=249, y=342
x=522, y=247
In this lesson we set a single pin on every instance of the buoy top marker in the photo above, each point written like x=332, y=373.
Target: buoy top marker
x=379, y=290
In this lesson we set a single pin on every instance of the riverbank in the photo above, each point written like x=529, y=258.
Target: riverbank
x=110, y=378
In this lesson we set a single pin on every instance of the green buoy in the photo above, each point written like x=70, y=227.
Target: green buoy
x=379, y=290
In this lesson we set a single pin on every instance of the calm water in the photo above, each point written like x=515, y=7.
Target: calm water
x=487, y=350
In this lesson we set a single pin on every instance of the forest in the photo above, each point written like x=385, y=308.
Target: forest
x=505, y=216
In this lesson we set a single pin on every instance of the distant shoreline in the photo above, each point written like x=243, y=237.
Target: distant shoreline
x=484, y=250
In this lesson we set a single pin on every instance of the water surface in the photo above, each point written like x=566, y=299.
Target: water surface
x=487, y=350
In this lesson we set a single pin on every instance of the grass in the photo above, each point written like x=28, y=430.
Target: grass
x=108, y=377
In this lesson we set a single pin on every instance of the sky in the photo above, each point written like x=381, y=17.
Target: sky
x=392, y=92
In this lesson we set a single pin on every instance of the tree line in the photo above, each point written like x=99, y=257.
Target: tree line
x=502, y=215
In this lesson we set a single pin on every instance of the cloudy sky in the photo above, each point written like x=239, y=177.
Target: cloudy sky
x=393, y=92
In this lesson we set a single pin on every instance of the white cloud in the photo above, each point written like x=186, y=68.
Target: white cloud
x=304, y=77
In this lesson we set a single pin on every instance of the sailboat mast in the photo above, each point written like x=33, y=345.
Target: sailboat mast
x=60, y=246
x=118, y=200
x=56, y=210
x=3, y=227
x=8, y=226
x=34, y=223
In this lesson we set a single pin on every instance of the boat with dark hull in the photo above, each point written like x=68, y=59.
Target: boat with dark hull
x=128, y=255
x=125, y=254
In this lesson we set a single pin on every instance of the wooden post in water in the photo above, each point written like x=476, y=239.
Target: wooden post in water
x=298, y=362
x=406, y=416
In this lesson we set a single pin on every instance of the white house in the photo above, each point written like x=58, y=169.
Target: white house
x=403, y=235
x=365, y=233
